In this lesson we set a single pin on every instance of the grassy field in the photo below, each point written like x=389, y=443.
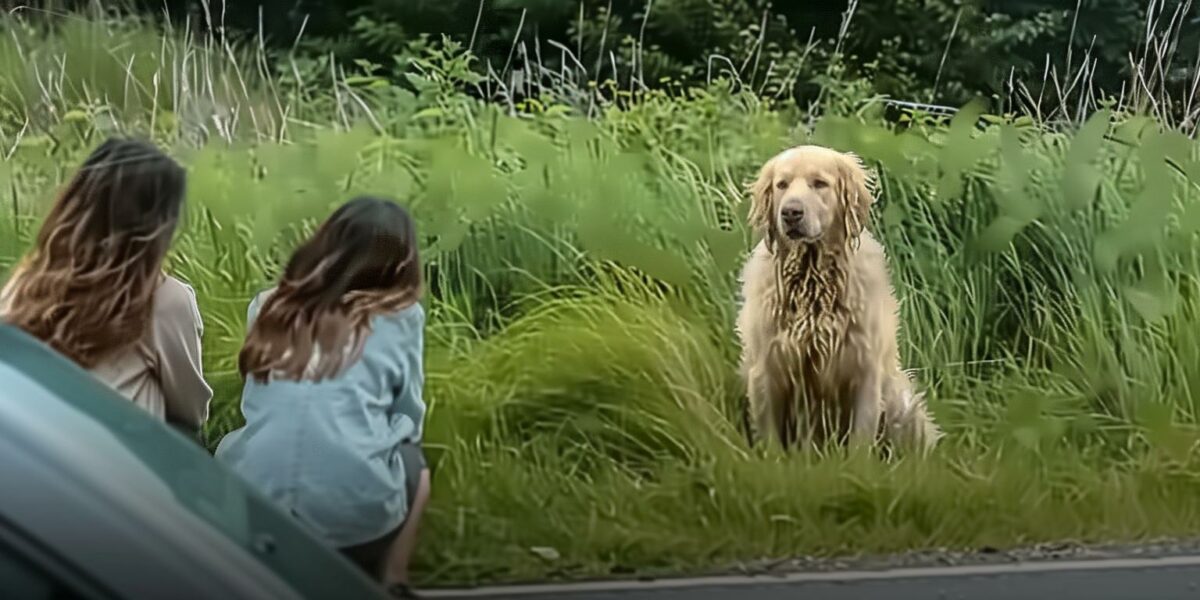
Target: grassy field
x=584, y=403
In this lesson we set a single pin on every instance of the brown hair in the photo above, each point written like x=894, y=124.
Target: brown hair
x=360, y=262
x=87, y=286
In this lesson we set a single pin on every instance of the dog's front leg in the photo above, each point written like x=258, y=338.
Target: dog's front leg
x=867, y=400
x=764, y=405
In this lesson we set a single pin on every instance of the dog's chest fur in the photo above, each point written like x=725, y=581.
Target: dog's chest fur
x=812, y=306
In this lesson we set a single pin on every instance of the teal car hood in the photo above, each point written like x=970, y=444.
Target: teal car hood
x=197, y=482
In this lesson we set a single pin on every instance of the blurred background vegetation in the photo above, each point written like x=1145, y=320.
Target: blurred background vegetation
x=1026, y=55
x=943, y=52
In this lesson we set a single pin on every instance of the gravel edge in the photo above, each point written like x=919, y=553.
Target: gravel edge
x=936, y=557
x=943, y=557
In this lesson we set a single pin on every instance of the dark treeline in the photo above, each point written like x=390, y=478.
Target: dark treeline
x=935, y=51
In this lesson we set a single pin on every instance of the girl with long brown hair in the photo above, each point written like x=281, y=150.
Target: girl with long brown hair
x=332, y=398
x=93, y=287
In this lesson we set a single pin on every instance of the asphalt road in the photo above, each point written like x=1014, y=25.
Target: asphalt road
x=1167, y=578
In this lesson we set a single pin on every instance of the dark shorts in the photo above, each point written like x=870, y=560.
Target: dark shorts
x=372, y=556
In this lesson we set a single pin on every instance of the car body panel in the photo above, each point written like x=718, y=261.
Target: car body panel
x=90, y=474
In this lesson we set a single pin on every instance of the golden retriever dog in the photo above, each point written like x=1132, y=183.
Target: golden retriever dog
x=819, y=319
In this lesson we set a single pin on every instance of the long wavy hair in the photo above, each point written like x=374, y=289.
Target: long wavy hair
x=361, y=262
x=87, y=286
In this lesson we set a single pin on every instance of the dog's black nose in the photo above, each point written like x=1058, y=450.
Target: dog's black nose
x=792, y=214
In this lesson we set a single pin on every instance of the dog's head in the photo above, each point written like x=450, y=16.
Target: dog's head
x=810, y=195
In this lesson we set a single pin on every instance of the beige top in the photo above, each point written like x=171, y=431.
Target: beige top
x=162, y=373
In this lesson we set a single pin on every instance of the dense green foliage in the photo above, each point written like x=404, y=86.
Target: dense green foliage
x=941, y=51
x=581, y=360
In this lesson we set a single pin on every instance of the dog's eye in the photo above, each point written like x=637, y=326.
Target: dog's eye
x=820, y=184
x=783, y=185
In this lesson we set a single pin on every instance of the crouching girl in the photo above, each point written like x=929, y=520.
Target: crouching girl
x=332, y=399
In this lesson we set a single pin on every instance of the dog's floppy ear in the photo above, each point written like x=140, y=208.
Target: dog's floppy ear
x=759, y=218
x=855, y=192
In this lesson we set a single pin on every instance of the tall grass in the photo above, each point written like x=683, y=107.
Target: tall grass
x=581, y=360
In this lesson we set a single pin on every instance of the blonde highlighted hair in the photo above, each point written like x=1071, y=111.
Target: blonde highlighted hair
x=87, y=286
